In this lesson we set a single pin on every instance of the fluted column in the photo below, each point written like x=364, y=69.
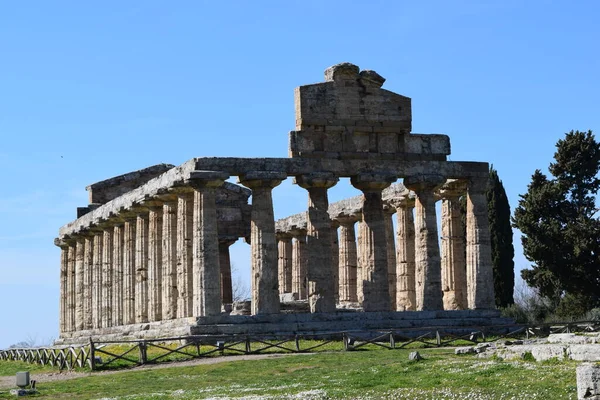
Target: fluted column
x=117, y=274
x=388, y=211
x=265, y=286
x=480, y=278
x=225, y=271
x=169, y=261
x=155, y=259
x=284, y=262
x=335, y=260
x=141, y=267
x=321, y=285
x=97, y=280
x=206, y=267
x=71, y=287
x=405, y=255
x=348, y=261
x=376, y=294
x=454, y=281
x=299, y=263
x=185, y=234
x=79, y=273
x=107, y=282
x=427, y=256
x=64, y=266
x=129, y=269
x=88, y=266
x=360, y=258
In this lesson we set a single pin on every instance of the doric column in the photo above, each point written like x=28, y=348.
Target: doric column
x=335, y=260
x=88, y=266
x=454, y=280
x=348, y=262
x=388, y=211
x=79, y=273
x=107, y=282
x=360, y=259
x=129, y=269
x=71, y=287
x=117, y=274
x=64, y=266
x=480, y=278
x=141, y=267
x=155, y=259
x=299, y=263
x=376, y=294
x=169, y=261
x=427, y=255
x=265, y=290
x=321, y=286
x=206, y=268
x=97, y=279
x=185, y=238
x=225, y=271
x=284, y=262
x=405, y=255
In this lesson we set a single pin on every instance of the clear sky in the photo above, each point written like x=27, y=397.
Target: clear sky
x=90, y=90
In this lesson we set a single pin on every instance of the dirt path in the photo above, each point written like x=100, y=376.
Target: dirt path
x=8, y=382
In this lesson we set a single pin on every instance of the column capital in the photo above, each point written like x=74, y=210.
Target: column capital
x=477, y=185
x=206, y=179
x=389, y=209
x=262, y=179
x=347, y=219
x=227, y=241
x=403, y=202
x=424, y=182
x=453, y=188
x=316, y=180
x=372, y=182
x=283, y=236
x=298, y=233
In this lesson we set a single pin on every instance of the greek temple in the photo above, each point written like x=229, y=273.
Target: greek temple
x=149, y=255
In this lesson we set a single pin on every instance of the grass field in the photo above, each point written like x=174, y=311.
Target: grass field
x=370, y=374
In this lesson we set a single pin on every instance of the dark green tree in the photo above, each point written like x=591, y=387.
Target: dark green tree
x=561, y=231
x=501, y=236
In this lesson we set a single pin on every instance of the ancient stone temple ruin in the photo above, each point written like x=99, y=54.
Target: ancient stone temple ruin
x=149, y=256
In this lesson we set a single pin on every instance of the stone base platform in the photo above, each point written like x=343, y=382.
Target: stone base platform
x=408, y=323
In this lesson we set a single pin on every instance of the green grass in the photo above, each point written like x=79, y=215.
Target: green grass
x=378, y=373
x=8, y=368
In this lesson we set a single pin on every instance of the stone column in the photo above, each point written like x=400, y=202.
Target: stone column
x=284, y=252
x=360, y=259
x=129, y=269
x=348, y=260
x=299, y=263
x=88, y=265
x=388, y=211
x=265, y=290
x=185, y=235
x=454, y=280
x=169, y=260
x=79, y=273
x=405, y=255
x=141, y=267
x=117, y=275
x=480, y=278
x=107, y=282
x=225, y=271
x=321, y=286
x=376, y=294
x=71, y=287
x=206, y=267
x=335, y=260
x=97, y=280
x=427, y=257
x=64, y=266
x=155, y=259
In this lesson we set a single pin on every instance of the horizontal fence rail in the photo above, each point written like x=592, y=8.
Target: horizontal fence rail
x=130, y=353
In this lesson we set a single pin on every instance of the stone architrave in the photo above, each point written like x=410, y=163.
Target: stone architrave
x=141, y=267
x=97, y=280
x=405, y=255
x=79, y=273
x=335, y=260
x=347, y=259
x=155, y=260
x=107, y=282
x=64, y=266
x=117, y=275
x=129, y=268
x=299, y=263
x=388, y=212
x=185, y=239
x=225, y=271
x=427, y=251
x=454, y=280
x=480, y=278
x=321, y=285
x=376, y=295
x=265, y=285
x=169, y=260
x=88, y=265
x=284, y=262
x=206, y=267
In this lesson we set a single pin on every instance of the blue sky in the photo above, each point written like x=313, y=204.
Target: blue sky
x=91, y=90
